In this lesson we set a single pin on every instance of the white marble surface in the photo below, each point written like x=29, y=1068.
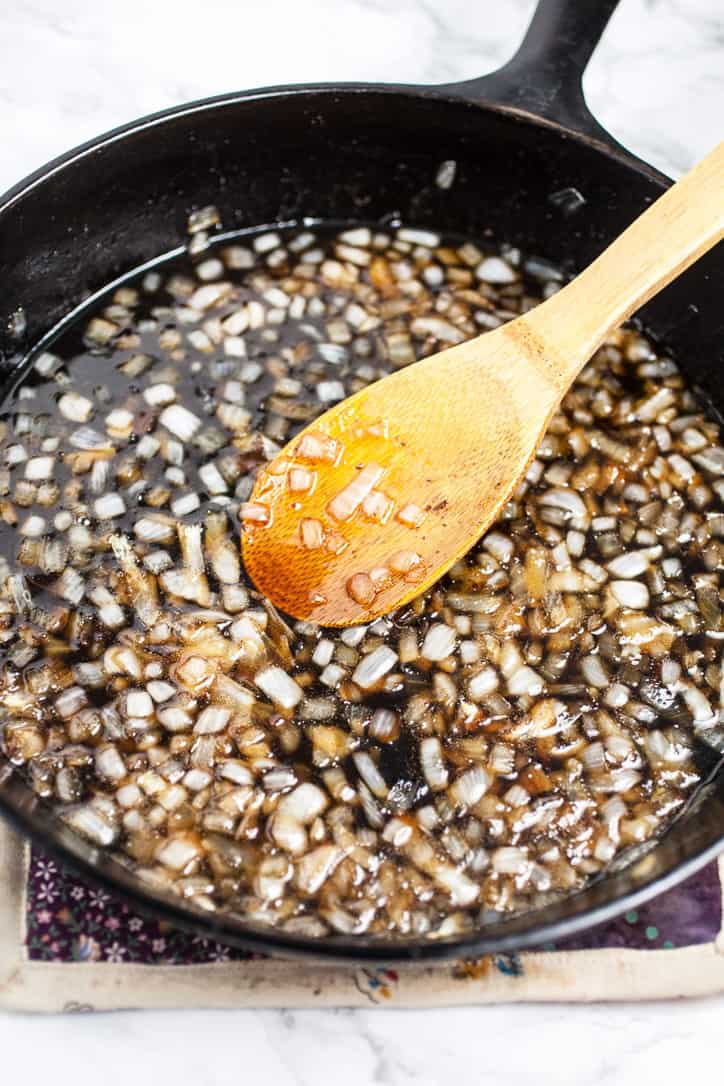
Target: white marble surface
x=69, y=70
x=662, y=1044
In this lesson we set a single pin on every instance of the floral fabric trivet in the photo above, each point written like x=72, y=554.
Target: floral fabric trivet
x=67, y=921
x=65, y=945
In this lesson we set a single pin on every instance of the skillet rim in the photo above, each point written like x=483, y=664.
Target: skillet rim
x=465, y=93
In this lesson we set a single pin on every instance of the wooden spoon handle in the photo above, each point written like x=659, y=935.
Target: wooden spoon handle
x=669, y=236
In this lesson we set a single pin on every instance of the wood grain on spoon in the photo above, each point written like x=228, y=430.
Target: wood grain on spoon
x=434, y=451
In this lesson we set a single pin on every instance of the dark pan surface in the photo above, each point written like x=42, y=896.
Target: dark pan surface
x=560, y=191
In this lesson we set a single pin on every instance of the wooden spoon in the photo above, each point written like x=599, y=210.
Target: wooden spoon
x=448, y=438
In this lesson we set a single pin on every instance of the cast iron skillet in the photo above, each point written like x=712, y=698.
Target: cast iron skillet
x=533, y=168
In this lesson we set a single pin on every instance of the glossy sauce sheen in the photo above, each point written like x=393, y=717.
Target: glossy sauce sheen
x=352, y=534
x=479, y=776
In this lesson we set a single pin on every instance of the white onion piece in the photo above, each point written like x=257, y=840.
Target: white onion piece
x=346, y=503
x=361, y=588
x=214, y=482
x=624, y=779
x=439, y=642
x=128, y=796
x=332, y=675
x=433, y=764
x=75, y=407
x=119, y=423
x=470, y=786
x=184, y=504
x=330, y=391
x=416, y=236
x=438, y=328
x=509, y=860
x=316, y=867
x=209, y=296
x=311, y=533
x=33, y=526
x=631, y=564
x=525, y=681
x=159, y=395
x=481, y=684
x=495, y=270
x=370, y=774
x=254, y=513
x=303, y=804
x=377, y=506
x=323, y=652
x=212, y=720
x=197, y=779
x=109, y=764
x=502, y=759
x=374, y=667
x=568, y=501
x=108, y=506
x=411, y=515
x=280, y=687
x=70, y=701
x=516, y=796
x=89, y=823
x=39, y=468
x=630, y=594
x=318, y=448
x=384, y=725
x=138, y=703
x=462, y=890
x=698, y=705
x=180, y=421
x=301, y=480
x=594, y=671
x=179, y=852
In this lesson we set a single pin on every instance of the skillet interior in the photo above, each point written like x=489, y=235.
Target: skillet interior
x=345, y=154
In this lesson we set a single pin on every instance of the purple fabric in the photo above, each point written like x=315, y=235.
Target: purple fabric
x=69, y=921
x=688, y=915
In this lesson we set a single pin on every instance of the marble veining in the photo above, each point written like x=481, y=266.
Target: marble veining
x=71, y=70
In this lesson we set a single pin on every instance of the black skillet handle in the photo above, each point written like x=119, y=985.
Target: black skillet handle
x=543, y=79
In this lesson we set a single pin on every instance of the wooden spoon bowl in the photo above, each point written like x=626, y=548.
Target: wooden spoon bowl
x=444, y=442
